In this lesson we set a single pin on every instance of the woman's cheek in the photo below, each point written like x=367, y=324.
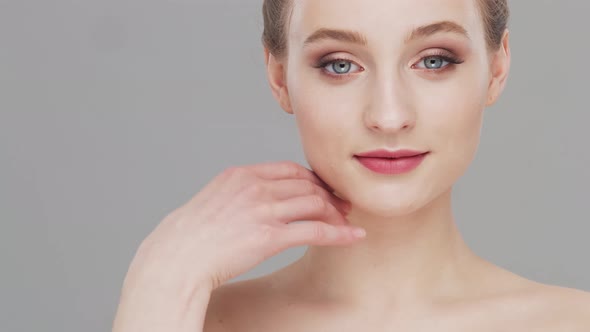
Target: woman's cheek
x=311, y=115
x=458, y=122
x=319, y=105
x=322, y=114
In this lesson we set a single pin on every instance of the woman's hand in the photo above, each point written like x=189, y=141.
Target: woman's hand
x=242, y=217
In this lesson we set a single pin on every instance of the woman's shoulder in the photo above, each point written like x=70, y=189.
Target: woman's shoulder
x=234, y=306
x=528, y=303
x=567, y=308
x=256, y=304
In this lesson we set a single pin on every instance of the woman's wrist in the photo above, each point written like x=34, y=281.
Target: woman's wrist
x=175, y=312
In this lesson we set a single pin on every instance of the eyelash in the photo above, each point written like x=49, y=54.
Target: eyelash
x=445, y=56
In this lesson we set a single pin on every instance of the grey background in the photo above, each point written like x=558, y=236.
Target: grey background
x=114, y=112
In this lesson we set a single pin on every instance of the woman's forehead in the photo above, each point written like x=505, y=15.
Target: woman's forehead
x=395, y=19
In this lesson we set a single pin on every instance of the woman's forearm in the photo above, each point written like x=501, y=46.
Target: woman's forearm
x=169, y=314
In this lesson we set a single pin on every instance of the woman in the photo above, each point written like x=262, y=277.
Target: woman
x=388, y=96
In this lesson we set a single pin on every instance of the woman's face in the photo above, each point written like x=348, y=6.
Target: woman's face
x=423, y=91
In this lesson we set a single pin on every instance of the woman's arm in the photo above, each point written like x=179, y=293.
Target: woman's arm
x=137, y=313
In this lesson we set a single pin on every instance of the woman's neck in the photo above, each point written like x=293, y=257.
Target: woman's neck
x=412, y=259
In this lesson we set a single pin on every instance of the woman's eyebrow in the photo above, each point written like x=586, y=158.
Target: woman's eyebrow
x=442, y=26
x=356, y=37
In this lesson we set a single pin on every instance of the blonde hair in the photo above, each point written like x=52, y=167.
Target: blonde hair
x=495, y=14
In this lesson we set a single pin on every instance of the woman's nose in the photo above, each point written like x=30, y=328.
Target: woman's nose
x=389, y=109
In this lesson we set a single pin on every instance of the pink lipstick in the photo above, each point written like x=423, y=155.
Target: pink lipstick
x=391, y=162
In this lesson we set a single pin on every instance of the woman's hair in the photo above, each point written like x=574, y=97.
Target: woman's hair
x=495, y=15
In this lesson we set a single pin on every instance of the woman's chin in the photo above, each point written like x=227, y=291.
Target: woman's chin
x=386, y=208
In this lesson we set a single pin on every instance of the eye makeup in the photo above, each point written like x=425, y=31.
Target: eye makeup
x=323, y=64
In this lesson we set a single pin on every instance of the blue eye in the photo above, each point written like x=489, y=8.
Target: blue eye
x=437, y=62
x=433, y=62
x=339, y=66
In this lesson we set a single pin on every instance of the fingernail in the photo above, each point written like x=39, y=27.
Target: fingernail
x=359, y=232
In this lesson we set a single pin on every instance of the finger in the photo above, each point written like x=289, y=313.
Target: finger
x=319, y=233
x=289, y=188
x=221, y=186
x=287, y=170
x=311, y=207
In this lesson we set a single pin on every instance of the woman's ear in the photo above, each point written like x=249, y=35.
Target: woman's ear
x=276, y=74
x=500, y=66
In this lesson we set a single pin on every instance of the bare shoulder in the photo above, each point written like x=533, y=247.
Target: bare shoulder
x=238, y=306
x=257, y=305
x=568, y=296
x=561, y=308
x=531, y=305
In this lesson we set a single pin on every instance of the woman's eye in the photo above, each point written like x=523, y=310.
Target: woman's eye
x=434, y=62
x=339, y=67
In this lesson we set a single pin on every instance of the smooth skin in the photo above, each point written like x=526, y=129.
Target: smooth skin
x=243, y=216
x=413, y=271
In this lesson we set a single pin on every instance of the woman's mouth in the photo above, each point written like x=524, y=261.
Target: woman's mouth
x=391, y=162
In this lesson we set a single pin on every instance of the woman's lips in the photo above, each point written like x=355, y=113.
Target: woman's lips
x=391, y=165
